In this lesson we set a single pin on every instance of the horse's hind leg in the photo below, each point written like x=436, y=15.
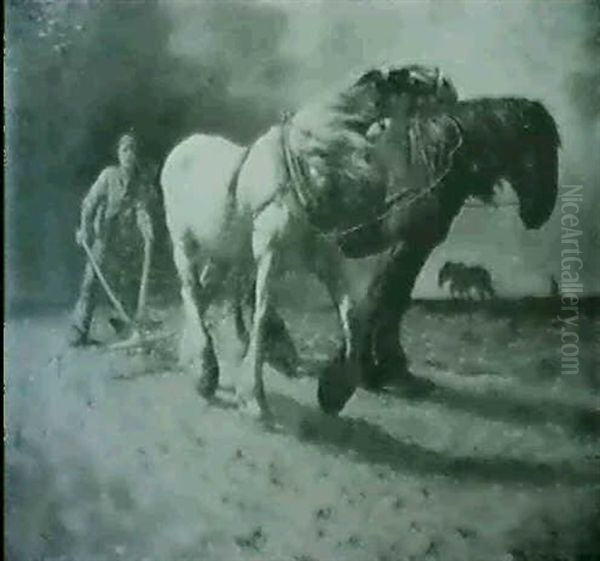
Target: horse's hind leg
x=280, y=351
x=240, y=325
x=238, y=304
x=196, y=346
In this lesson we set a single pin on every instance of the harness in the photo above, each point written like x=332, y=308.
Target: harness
x=297, y=181
x=298, y=184
x=232, y=185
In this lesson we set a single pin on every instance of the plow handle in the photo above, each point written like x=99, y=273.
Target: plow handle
x=111, y=295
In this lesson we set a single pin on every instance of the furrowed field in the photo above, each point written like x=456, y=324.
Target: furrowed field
x=113, y=455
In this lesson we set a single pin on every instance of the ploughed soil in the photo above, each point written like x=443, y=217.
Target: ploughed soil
x=113, y=455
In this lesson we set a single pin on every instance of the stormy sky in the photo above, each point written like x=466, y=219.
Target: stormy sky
x=77, y=73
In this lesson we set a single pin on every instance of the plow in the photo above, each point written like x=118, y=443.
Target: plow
x=140, y=332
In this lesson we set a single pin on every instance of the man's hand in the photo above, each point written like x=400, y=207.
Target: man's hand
x=80, y=237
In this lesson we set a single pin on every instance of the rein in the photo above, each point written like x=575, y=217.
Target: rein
x=233, y=184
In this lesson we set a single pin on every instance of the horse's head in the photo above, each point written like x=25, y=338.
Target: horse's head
x=421, y=86
x=534, y=179
x=534, y=167
x=421, y=80
x=445, y=273
x=513, y=139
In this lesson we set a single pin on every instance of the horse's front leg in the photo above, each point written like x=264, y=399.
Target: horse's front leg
x=388, y=298
x=341, y=376
x=268, y=229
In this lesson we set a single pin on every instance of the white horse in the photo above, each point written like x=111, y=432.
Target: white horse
x=232, y=211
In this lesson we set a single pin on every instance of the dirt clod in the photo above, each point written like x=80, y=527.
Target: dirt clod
x=255, y=540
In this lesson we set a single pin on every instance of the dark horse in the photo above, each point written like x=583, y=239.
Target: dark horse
x=512, y=139
x=464, y=280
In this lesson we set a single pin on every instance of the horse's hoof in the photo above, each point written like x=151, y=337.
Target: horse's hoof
x=391, y=372
x=207, y=385
x=251, y=409
x=287, y=367
x=334, y=392
x=209, y=380
x=328, y=405
x=376, y=377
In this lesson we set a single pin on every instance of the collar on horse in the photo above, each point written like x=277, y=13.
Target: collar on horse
x=297, y=176
x=297, y=181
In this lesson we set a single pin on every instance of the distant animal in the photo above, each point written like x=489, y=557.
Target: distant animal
x=231, y=210
x=466, y=281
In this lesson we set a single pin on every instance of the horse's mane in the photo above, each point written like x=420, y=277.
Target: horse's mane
x=493, y=131
x=328, y=136
x=330, y=139
x=507, y=119
x=329, y=133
